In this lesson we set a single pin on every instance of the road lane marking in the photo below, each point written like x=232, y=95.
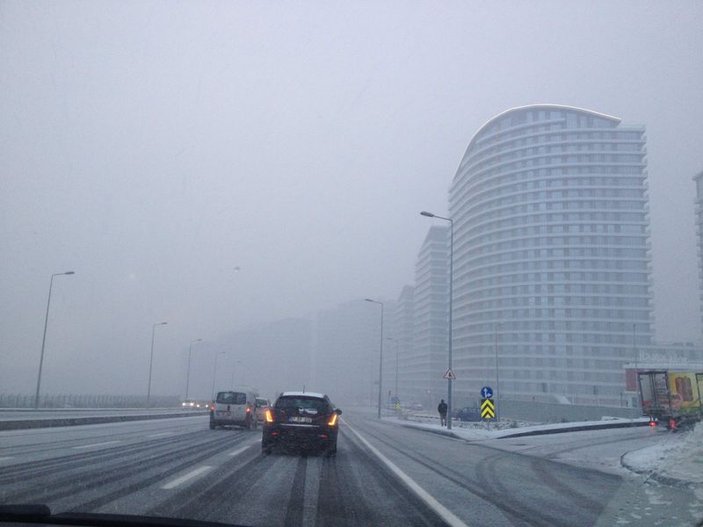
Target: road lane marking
x=7, y=458
x=190, y=475
x=97, y=444
x=239, y=450
x=311, y=492
x=162, y=434
x=421, y=493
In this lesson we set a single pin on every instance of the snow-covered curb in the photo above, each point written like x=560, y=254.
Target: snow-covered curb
x=678, y=460
x=479, y=431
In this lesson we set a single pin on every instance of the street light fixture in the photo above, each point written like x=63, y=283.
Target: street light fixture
x=43, y=341
x=380, y=360
x=214, y=371
x=451, y=290
x=190, y=350
x=151, y=360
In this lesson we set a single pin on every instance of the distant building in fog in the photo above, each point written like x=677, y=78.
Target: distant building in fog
x=272, y=357
x=552, y=255
x=427, y=361
x=403, y=327
x=347, y=353
x=699, y=234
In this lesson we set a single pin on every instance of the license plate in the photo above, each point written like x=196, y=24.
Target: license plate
x=222, y=412
x=296, y=419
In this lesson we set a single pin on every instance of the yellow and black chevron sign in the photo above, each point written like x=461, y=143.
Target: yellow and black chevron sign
x=488, y=409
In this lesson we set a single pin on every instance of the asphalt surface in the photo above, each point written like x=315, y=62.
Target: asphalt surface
x=383, y=474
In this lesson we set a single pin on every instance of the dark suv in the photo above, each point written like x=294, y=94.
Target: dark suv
x=301, y=419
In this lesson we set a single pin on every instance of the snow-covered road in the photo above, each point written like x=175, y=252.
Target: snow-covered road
x=383, y=474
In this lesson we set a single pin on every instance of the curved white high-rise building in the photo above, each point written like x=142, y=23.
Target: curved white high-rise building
x=552, y=265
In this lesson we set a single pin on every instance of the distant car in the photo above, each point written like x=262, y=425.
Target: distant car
x=261, y=405
x=416, y=406
x=233, y=408
x=301, y=419
x=192, y=404
x=468, y=413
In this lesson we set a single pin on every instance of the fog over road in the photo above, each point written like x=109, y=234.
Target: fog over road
x=180, y=468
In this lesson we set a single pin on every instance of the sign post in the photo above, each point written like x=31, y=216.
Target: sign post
x=488, y=407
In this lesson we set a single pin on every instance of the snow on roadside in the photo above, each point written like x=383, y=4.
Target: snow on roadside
x=470, y=434
x=678, y=456
x=650, y=458
x=686, y=462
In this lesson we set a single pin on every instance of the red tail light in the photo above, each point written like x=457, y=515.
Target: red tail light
x=268, y=415
x=333, y=420
x=248, y=410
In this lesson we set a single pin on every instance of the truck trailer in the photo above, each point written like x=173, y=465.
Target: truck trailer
x=670, y=396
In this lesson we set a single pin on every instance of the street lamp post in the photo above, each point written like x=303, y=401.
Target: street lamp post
x=451, y=291
x=214, y=370
x=43, y=341
x=397, y=345
x=380, y=360
x=190, y=350
x=636, y=354
x=151, y=359
x=497, y=327
x=634, y=346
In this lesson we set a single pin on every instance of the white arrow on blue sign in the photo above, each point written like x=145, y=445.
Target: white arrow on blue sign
x=486, y=392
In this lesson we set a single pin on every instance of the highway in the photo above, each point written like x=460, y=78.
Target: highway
x=383, y=474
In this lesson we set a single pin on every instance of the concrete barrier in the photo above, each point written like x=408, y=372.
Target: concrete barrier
x=21, y=424
x=577, y=428
x=555, y=413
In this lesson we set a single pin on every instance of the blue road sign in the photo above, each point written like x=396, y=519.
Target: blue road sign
x=486, y=392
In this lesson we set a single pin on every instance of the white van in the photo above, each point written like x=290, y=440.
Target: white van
x=234, y=408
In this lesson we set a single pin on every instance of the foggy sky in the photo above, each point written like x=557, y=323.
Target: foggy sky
x=154, y=147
